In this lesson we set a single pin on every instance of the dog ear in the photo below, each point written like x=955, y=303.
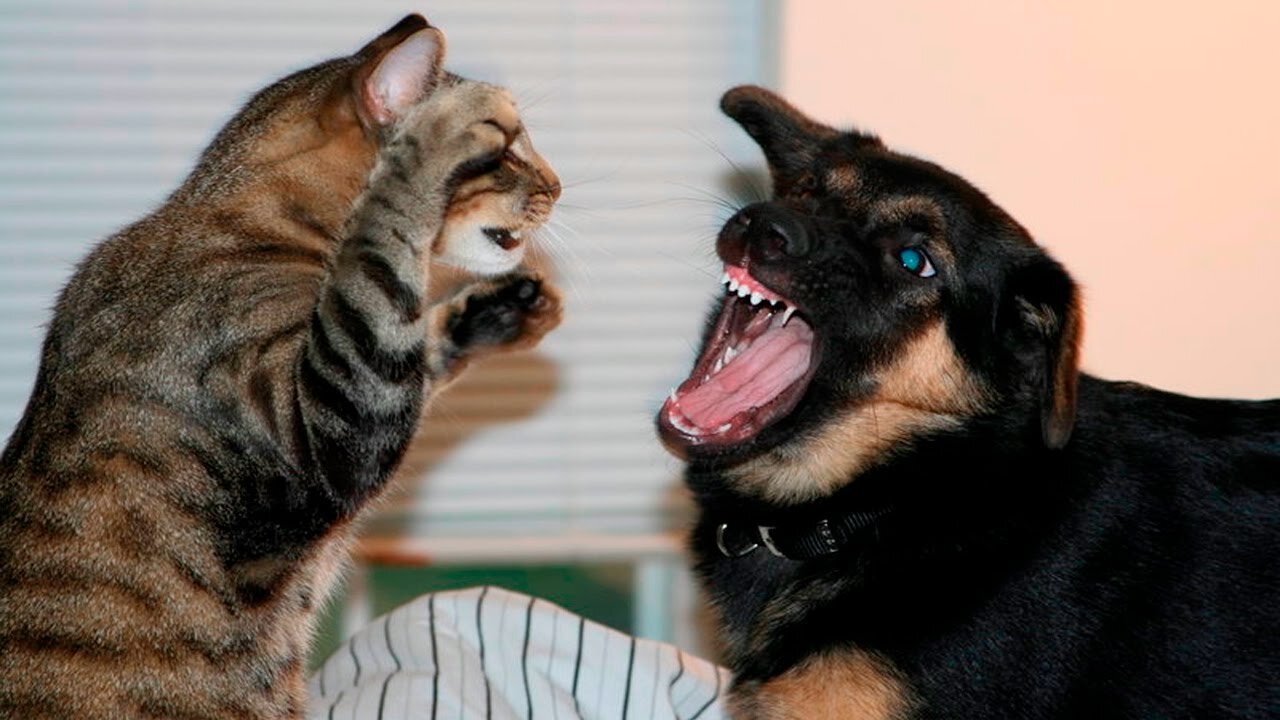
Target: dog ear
x=1043, y=316
x=788, y=137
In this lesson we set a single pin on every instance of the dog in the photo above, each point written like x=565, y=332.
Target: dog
x=911, y=501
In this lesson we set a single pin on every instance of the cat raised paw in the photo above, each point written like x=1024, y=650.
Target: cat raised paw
x=510, y=312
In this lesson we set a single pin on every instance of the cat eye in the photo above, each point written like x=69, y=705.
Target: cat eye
x=916, y=261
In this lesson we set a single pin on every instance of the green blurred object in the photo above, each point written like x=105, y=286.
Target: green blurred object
x=600, y=592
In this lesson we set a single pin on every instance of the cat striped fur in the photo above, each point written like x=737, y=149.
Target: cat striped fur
x=226, y=384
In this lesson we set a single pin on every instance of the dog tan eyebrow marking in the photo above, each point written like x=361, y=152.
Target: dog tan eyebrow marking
x=924, y=389
x=844, y=180
x=836, y=685
x=899, y=209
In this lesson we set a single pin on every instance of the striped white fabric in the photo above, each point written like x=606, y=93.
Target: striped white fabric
x=494, y=654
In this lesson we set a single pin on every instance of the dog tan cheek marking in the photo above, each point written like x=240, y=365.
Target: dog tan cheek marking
x=846, y=685
x=931, y=377
x=926, y=389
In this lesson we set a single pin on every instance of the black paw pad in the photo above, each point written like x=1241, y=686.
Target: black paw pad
x=495, y=317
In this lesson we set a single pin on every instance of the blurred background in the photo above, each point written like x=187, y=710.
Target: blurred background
x=1135, y=140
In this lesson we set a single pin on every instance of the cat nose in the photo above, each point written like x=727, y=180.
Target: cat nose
x=551, y=182
x=522, y=150
x=764, y=232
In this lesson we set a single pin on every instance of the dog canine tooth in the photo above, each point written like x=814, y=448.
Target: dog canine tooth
x=678, y=422
x=787, y=315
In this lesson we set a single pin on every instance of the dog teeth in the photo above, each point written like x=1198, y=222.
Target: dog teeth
x=729, y=354
x=515, y=234
x=743, y=291
x=724, y=278
x=724, y=427
x=787, y=315
x=733, y=285
x=756, y=298
x=681, y=426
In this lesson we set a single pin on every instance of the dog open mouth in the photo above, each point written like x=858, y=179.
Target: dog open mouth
x=752, y=372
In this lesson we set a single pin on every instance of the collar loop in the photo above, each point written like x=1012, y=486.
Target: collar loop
x=797, y=541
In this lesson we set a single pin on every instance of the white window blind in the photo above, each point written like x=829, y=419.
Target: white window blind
x=104, y=107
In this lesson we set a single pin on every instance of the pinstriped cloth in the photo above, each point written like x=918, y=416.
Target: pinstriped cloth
x=494, y=654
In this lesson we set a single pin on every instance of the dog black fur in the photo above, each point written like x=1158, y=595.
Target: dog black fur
x=1012, y=538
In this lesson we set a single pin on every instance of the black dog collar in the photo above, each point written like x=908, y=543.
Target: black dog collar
x=796, y=541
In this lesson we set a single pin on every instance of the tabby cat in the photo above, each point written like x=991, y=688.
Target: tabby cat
x=226, y=383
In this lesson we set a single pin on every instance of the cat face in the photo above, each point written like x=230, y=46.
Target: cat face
x=314, y=136
x=492, y=212
x=491, y=217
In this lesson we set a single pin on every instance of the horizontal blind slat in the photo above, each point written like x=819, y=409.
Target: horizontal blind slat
x=103, y=109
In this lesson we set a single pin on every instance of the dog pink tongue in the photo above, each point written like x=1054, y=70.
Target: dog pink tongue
x=769, y=365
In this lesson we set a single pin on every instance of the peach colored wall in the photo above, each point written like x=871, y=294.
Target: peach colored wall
x=1137, y=140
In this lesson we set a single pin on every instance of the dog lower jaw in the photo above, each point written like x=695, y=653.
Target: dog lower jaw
x=732, y=438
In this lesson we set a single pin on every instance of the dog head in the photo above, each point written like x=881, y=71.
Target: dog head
x=874, y=300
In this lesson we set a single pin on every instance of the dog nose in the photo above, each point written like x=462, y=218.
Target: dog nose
x=765, y=232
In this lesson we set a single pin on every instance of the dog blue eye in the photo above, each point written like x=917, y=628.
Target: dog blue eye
x=916, y=262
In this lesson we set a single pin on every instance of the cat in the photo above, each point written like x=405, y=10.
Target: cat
x=226, y=383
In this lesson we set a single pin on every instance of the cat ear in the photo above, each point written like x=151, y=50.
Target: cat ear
x=403, y=65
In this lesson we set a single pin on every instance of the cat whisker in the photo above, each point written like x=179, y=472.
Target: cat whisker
x=747, y=180
x=552, y=246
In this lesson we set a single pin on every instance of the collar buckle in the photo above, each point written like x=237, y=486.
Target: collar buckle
x=724, y=546
x=766, y=536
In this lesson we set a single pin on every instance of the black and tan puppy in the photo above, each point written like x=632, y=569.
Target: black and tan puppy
x=914, y=505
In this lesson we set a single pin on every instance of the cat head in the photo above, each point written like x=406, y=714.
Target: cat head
x=304, y=146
